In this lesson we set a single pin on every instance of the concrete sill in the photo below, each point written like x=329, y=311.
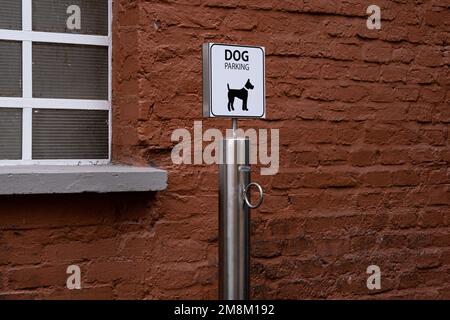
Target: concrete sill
x=50, y=179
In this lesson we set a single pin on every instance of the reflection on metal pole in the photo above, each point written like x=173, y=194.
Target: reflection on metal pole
x=234, y=217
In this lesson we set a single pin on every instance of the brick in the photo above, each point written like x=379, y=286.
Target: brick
x=403, y=220
x=362, y=242
x=327, y=180
x=393, y=156
x=286, y=227
x=369, y=199
x=346, y=52
x=108, y=272
x=439, y=196
x=404, y=55
x=420, y=112
x=381, y=94
x=390, y=114
x=321, y=136
x=376, y=52
x=421, y=156
x=331, y=71
x=420, y=76
x=266, y=248
x=435, y=137
x=340, y=29
x=133, y=247
x=321, y=6
x=321, y=94
x=409, y=280
x=406, y=178
x=443, y=77
x=274, y=203
x=378, y=135
x=417, y=35
x=35, y=277
x=362, y=158
x=396, y=34
x=305, y=69
x=441, y=176
x=436, y=17
x=443, y=112
x=305, y=201
x=431, y=219
x=240, y=21
x=350, y=93
x=78, y=251
x=393, y=241
x=103, y=292
x=378, y=179
x=409, y=17
x=185, y=277
x=306, y=158
x=365, y=72
x=333, y=247
x=407, y=94
x=353, y=8
x=393, y=74
x=432, y=95
x=180, y=250
x=298, y=246
x=276, y=67
x=429, y=57
x=304, y=268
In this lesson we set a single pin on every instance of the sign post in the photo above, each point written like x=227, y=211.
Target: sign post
x=234, y=87
x=233, y=81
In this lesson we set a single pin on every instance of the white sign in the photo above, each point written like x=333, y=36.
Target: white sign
x=233, y=81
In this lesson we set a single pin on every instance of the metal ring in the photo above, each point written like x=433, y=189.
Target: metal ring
x=261, y=195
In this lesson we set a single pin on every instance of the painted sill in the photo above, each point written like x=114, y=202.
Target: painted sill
x=54, y=179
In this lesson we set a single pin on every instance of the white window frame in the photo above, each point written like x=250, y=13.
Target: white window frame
x=27, y=103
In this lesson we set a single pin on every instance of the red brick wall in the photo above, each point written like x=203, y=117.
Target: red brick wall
x=364, y=179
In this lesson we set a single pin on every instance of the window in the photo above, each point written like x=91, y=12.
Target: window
x=55, y=81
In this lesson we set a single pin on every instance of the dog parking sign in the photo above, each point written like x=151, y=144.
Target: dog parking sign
x=233, y=81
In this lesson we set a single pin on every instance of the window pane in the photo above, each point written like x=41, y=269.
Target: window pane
x=11, y=14
x=10, y=134
x=10, y=69
x=70, y=134
x=85, y=16
x=70, y=71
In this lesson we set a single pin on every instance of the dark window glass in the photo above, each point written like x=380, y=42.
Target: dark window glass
x=53, y=16
x=70, y=71
x=70, y=134
x=11, y=14
x=10, y=68
x=10, y=134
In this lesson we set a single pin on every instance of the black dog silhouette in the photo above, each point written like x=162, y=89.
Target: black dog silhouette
x=240, y=94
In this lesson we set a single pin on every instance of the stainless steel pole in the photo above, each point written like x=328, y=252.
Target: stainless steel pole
x=234, y=216
x=234, y=219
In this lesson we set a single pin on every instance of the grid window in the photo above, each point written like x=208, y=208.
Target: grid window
x=70, y=71
x=70, y=134
x=11, y=14
x=11, y=133
x=55, y=87
x=10, y=69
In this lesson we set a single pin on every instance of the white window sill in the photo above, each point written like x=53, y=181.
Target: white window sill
x=53, y=179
